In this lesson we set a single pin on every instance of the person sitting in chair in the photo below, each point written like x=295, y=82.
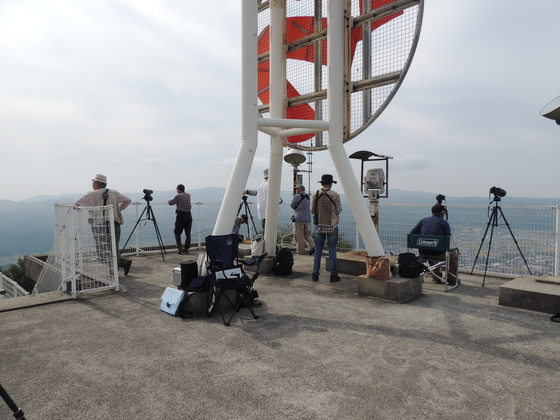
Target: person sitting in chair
x=436, y=225
x=239, y=220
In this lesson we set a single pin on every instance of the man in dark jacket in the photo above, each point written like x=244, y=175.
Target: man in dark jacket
x=437, y=225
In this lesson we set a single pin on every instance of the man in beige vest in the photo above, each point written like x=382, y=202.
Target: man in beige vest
x=102, y=196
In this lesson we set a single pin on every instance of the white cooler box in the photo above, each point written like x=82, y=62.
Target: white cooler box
x=171, y=299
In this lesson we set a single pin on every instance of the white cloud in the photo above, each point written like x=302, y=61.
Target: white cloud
x=148, y=92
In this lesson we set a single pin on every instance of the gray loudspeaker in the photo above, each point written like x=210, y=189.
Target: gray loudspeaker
x=552, y=110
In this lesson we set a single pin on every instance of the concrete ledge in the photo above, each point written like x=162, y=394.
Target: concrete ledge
x=265, y=267
x=396, y=289
x=540, y=294
x=354, y=263
x=33, y=300
x=350, y=263
x=34, y=264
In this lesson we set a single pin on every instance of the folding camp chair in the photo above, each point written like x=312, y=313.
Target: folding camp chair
x=435, y=264
x=227, y=274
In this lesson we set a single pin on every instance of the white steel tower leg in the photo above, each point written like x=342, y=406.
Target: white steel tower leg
x=277, y=93
x=341, y=161
x=249, y=131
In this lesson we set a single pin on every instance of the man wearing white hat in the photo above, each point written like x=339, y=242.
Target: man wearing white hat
x=102, y=196
x=262, y=193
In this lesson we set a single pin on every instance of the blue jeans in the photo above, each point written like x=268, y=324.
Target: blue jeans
x=332, y=240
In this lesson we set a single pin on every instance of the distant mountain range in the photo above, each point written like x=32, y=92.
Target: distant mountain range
x=26, y=226
x=216, y=194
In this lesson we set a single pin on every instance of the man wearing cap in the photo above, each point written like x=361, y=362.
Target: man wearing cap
x=302, y=219
x=239, y=220
x=102, y=196
x=326, y=207
x=183, y=219
x=437, y=225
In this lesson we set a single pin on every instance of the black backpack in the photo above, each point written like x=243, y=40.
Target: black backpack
x=284, y=263
x=410, y=265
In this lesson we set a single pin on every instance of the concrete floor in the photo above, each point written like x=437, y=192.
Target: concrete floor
x=318, y=351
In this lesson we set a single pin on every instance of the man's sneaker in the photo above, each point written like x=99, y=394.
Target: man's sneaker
x=180, y=250
x=334, y=279
x=126, y=266
x=315, y=277
x=311, y=251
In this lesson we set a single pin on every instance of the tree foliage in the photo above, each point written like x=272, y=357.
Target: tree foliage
x=16, y=272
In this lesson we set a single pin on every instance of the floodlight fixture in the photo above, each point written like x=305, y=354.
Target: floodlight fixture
x=294, y=157
x=552, y=110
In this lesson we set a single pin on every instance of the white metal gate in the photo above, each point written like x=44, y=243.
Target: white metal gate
x=84, y=255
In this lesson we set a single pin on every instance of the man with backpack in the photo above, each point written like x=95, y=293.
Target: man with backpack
x=302, y=220
x=326, y=207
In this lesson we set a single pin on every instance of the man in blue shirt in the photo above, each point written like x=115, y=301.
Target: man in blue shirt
x=437, y=225
x=302, y=219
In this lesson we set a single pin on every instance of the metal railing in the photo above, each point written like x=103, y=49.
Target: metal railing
x=11, y=288
x=535, y=229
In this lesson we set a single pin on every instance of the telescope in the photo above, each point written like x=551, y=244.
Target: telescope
x=148, y=195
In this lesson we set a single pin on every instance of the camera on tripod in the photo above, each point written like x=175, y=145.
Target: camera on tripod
x=493, y=221
x=250, y=192
x=440, y=198
x=498, y=192
x=148, y=195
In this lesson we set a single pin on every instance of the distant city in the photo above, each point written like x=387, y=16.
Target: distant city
x=27, y=226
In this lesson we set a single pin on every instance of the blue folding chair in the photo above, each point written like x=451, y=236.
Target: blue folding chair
x=227, y=274
x=439, y=244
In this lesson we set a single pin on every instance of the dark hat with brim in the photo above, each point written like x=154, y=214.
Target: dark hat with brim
x=327, y=179
x=244, y=217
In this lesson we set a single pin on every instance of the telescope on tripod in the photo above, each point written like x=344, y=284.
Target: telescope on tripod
x=16, y=411
x=247, y=210
x=493, y=221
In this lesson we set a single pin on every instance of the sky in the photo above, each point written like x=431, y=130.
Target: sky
x=148, y=92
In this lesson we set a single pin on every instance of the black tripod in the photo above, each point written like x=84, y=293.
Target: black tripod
x=16, y=411
x=149, y=216
x=244, y=205
x=494, y=221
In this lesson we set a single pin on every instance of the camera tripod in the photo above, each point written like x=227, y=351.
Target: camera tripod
x=149, y=216
x=244, y=205
x=16, y=411
x=493, y=220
